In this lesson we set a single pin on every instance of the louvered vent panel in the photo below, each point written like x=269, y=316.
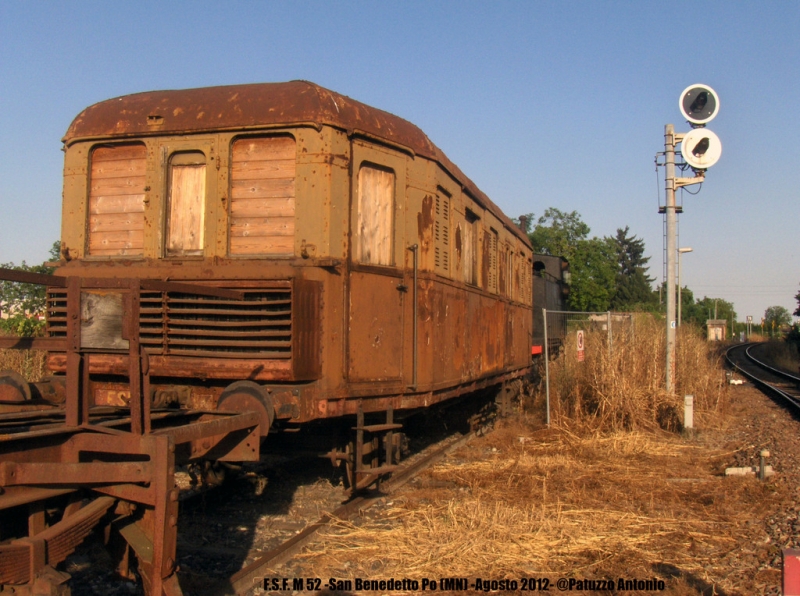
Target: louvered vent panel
x=441, y=235
x=189, y=324
x=437, y=234
x=56, y=315
x=446, y=235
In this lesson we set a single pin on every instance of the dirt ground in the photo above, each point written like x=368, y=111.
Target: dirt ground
x=528, y=503
x=540, y=506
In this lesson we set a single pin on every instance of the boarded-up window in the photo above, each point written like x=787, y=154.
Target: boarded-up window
x=524, y=276
x=116, y=200
x=515, y=285
x=502, y=270
x=263, y=196
x=469, y=259
x=441, y=233
x=373, y=242
x=186, y=204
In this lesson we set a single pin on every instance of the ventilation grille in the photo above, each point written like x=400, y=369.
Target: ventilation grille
x=192, y=325
x=441, y=241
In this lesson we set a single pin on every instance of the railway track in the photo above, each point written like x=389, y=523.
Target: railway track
x=251, y=575
x=782, y=384
x=234, y=535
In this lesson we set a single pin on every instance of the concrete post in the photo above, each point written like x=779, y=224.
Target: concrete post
x=672, y=218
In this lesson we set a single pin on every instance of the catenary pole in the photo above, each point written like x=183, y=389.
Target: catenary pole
x=669, y=162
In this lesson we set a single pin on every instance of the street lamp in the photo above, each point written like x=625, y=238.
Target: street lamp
x=680, y=254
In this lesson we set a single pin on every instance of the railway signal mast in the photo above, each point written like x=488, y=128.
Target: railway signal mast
x=700, y=149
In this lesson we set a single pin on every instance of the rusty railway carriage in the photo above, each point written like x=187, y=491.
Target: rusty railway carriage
x=234, y=260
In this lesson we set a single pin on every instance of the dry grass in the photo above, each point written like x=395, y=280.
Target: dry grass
x=522, y=502
x=623, y=387
x=605, y=492
x=780, y=354
x=29, y=363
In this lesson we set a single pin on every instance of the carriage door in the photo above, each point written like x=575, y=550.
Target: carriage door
x=377, y=289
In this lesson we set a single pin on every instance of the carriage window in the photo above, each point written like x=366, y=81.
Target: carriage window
x=373, y=243
x=262, y=196
x=186, y=204
x=116, y=200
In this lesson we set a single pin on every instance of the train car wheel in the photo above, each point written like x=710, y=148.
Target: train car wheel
x=247, y=396
x=13, y=387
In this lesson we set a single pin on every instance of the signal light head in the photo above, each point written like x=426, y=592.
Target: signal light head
x=699, y=104
x=701, y=148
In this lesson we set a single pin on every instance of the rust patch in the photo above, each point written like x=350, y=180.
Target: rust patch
x=424, y=308
x=425, y=223
x=458, y=243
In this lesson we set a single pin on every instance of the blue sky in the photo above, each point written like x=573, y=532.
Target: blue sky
x=542, y=104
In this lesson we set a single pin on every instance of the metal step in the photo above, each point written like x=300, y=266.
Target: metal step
x=377, y=428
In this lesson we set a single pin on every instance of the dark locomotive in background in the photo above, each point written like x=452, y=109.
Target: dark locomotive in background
x=237, y=261
x=551, y=276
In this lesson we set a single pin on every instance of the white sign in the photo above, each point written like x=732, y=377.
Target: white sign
x=580, y=345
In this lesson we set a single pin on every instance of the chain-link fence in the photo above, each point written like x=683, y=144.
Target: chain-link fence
x=561, y=325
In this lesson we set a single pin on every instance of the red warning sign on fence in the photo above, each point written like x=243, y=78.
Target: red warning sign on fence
x=579, y=343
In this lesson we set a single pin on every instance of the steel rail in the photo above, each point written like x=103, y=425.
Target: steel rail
x=763, y=365
x=789, y=399
x=244, y=580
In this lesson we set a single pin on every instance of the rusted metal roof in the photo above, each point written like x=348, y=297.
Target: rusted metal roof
x=236, y=107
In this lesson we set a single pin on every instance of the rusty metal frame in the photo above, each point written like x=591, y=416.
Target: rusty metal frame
x=125, y=458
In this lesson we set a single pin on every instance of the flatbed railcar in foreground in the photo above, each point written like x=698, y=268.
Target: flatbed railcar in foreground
x=238, y=261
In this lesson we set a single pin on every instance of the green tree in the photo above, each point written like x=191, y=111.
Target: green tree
x=687, y=299
x=593, y=275
x=797, y=310
x=702, y=310
x=24, y=303
x=557, y=233
x=592, y=260
x=777, y=316
x=658, y=298
x=633, y=287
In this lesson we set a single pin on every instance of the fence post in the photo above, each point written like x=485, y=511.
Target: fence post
x=546, y=365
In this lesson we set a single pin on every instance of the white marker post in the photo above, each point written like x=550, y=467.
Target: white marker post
x=688, y=412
